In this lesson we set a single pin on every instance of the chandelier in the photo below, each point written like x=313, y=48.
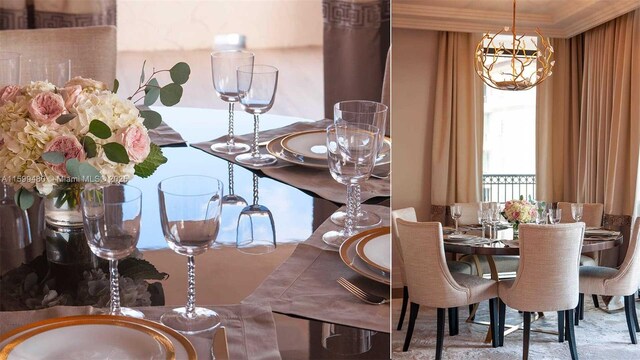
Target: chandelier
x=524, y=69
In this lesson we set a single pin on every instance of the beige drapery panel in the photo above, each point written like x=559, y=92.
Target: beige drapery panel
x=458, y=122
x=356, y=41
x=33, y=14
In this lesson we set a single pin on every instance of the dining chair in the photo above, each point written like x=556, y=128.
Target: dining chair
x=409, y=214
x=469, y=213
x=92, y=50
x=547, y=279
x=624, y=281
x=433, y=285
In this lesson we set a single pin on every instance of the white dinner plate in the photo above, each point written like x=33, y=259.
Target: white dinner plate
x=312, y=145
x=601, y=232
x=460, y=237
x=350, y=257
x=375, y=250
x=95, y=336
x=274, y=147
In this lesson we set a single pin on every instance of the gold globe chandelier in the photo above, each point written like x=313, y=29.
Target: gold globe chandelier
x=526, y=68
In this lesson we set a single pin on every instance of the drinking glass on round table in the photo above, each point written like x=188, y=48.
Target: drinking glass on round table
x=555, y=215
x=577, y=211
x=111, y=222
x=56, y=72
x=9, y=68
x=190, y=208
x=456, y=213
x=225, y=82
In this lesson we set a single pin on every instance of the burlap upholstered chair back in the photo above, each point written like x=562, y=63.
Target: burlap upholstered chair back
x=408, y=214
x=591, y=214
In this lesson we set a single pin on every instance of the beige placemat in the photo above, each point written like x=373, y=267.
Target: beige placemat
x=305, y=285
x=251, y=332
x=165, y=135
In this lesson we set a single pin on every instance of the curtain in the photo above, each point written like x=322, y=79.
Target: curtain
x=458, y=122
x=33, y=14
x=356, y=40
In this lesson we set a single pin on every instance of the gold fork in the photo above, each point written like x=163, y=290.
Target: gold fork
x=361, y=294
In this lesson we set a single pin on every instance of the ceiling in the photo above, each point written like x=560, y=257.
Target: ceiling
x=555, y=18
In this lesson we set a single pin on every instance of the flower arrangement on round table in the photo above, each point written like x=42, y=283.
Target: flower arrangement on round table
x=519, y=212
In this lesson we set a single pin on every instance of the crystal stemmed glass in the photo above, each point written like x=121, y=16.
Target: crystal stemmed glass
x=111, y=221
x=232, y=204
x=494, y=219
x=256, y=231
x=482, y=220
x=190, y=208
x=225, y=82
x=367, y=113
x=257, y=90
x=55, y=72
x=577, y=211
x=9, y=68
x=555, y=215
x=456, y=213
x=351, y=153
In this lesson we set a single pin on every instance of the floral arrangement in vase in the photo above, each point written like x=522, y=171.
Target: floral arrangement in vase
x=519, y=212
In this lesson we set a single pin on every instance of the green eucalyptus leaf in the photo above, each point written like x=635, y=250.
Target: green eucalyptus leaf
x=99, y=129
x=65, y=118
x=152, y=119
x=180, y=73
x=53, y=157
x=170, y=94
x=72, y=167
x=90, y=146
x=142, y=72
x=88, y=173
x=116, y=152
x=152, y=92
x=23, y=198
x=116, y=85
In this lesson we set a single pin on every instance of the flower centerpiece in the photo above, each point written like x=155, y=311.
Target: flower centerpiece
x=519, y=212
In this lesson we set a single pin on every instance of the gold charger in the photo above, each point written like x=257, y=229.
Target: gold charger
x=352, y=260
x=360, y=250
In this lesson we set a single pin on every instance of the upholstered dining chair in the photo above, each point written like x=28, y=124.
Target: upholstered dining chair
x=409, y=214
x=92, y=50
x=624, y=281
x=547, y=279
x=431, y=284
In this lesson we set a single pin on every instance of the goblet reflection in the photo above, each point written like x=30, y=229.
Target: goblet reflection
x=256, y=232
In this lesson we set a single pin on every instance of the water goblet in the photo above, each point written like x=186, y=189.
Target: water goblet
x=56, y=72
x=111, y=222
x=456, y=213
x=351, y=153
x=190, y=207
x=256, y=231
x=483, y=217
x=494, y=219
x=257, y=90
x=555, y=215
x=367, y=113
x=9, y=68
x=577, y=211
x=225, y=82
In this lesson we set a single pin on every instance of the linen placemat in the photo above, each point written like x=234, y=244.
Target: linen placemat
x=251, y=332
x=165, y=135
x=305, y=285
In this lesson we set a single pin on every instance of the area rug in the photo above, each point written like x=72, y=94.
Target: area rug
x=600, y=335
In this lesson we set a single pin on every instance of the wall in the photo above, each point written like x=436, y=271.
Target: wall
x=414, y=62
x=147, y=25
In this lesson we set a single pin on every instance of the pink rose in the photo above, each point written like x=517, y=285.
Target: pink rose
x=136, y=141
x=85, y=83
x=9, y=93
x=70, y=147
x=70, y=95
x=46, y=107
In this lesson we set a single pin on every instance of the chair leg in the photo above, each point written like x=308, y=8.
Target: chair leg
x=413, y=314
x=596, y=303
x=581, y=306
x=560, y=326
x=453, y=321
x=634, y=313
x=502, y=309
x=405, y=300
x=525, y=337
x=493, y=316
x=471, y=317
x=567, y=321
x=578, y=311
x=440, y=334
x=629, y=307
x=572, y=336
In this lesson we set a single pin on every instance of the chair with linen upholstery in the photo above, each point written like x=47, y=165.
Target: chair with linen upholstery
x=607, y=281
x=92, y=50
x=547, y=279
x=432, y=284
x=409, y=214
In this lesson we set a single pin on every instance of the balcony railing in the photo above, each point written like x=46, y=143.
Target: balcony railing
x=500, y=188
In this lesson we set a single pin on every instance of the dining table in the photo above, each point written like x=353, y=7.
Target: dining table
x=319, y=319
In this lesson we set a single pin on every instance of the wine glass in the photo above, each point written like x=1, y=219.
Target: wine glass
x=9, y=68
x=190, y=207
x=225, y=82
x=577, y=211
x=257, y=90
x=351, y=153
x=555, y=215
x=456, y=213
x=232, y=204
x=483, y=216
x=494, y=219
x=367, y=113
x=56, y=72
x=111, y=222
x=256, y=232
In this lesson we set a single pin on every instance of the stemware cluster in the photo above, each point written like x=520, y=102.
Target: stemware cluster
x=41, y=69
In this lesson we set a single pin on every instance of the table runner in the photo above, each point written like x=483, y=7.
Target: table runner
x=317, y=181
x=305, y=285
x=251, y=332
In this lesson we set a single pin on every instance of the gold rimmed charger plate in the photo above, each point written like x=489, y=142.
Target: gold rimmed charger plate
x=181, y=347
x=362, y=251
x=274, y=147
x=311, y=145
x=354, y=262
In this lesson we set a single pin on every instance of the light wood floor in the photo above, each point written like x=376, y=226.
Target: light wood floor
x=300, y=83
